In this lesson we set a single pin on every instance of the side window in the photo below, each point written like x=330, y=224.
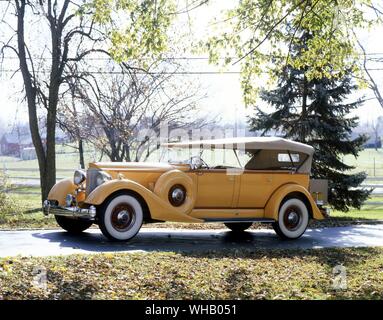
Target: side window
x=285, y=157
x=274, y=160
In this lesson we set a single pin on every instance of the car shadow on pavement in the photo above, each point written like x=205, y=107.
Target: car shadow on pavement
x=183, y=240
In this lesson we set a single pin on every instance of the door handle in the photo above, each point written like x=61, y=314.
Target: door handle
x=199, y=173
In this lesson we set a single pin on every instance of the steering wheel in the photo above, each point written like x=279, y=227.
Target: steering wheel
x=196, y=162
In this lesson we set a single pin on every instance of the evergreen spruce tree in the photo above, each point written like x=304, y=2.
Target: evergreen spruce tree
x=315, y=112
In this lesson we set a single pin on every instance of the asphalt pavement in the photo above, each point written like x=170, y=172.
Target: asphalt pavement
x=58, y=242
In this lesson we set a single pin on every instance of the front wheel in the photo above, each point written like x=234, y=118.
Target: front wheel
x=74, y=226
x=121, y=218
x=293, y=219
x=238, y=226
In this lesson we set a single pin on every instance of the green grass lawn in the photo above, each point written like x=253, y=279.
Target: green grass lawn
x=233, y=274
x=66, y=158
x=366, y=213
x=28, y=216
x=365, y=161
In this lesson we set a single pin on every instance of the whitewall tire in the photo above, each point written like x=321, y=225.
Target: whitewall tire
x=121, y=218
x=293, y=218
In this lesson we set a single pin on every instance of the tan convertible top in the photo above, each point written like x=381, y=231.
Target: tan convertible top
x=246, y=143
x=266, y=150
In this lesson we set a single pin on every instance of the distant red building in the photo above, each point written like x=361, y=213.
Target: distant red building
x=9, y=148
x=11, y=144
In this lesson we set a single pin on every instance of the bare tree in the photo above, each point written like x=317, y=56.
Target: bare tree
x=73, y=123
x=126, y=111
x=44, y=66
x=370, y=79
x=376, y=127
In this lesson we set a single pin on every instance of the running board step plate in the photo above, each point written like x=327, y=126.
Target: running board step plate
x=226, y=220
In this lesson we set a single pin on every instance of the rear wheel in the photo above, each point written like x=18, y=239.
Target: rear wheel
x=238, y=226
x=74, y=226
x=121, y=217
x=293, y=219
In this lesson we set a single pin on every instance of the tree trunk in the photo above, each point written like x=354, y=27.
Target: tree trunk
x=45, y=149
x=304, y=108
x=376, y=141
x=81, y=153
x=31, y=91
x=50, y=170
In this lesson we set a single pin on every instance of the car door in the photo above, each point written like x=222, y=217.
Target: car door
x=256, y=188
x=215, y=188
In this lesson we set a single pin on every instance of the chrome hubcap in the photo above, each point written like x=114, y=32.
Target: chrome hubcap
x=292, y=218
x=177, y=194
x=123, y=217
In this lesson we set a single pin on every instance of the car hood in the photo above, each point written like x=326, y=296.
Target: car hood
x=136, y=166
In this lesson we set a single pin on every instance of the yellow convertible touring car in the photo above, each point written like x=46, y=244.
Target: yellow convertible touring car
x=261, y=180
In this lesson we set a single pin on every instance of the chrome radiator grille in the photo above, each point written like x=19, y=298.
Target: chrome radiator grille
x=91, y=180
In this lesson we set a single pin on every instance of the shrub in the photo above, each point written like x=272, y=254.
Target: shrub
x=8, y=206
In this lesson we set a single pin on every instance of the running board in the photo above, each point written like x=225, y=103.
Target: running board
x=226, y=220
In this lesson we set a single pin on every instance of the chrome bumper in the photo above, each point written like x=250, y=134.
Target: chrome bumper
x=73, y=212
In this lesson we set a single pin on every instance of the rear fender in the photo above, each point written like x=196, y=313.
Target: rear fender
x=273, y=205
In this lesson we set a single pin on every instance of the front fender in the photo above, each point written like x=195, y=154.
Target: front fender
x=159, y=209
x=60, y=190
x=272, y=206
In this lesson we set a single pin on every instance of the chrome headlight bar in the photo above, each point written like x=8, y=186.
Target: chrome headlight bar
x=79, y=177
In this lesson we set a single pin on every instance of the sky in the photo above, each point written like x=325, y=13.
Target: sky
x=223, y=92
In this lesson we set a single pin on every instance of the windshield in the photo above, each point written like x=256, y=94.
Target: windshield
x=218, y=158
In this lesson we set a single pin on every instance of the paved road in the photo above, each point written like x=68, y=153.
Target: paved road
x=57, y=242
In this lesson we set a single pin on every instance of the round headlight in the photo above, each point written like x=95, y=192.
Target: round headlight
x=102, y=177
x=177, y=195
x=79, y=176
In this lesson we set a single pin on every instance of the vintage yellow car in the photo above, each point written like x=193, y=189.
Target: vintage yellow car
x=268, y=181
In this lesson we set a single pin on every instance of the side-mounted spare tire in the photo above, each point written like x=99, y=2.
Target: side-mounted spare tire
x=176, y=188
